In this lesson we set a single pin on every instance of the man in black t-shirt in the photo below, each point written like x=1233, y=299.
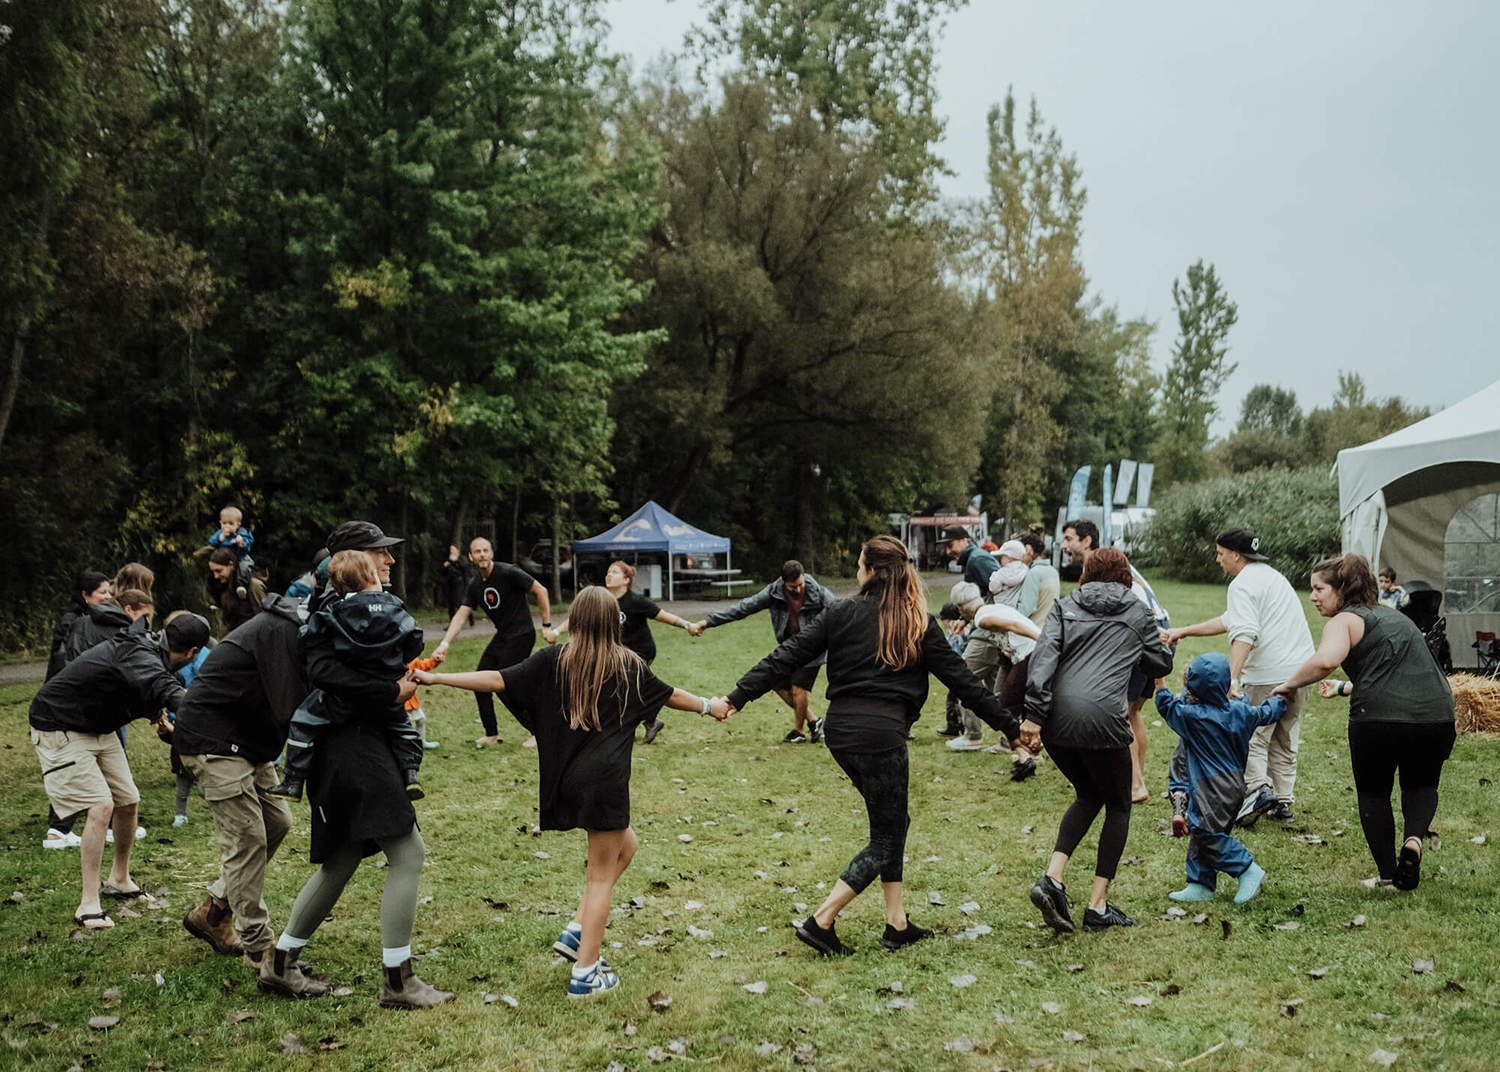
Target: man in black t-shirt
x=500, y=589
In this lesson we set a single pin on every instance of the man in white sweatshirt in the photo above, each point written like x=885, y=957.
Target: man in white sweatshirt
x=1268, y=641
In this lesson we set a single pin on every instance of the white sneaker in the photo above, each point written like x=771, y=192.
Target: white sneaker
x=180, y=820
x=109, y=835
x=965, y=744
x=431, y=745
x=56, y=839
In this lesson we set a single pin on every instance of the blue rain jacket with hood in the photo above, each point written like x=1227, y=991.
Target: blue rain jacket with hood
x=1215, y=732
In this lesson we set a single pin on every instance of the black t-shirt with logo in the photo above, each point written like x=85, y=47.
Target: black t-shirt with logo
x=636, y=614
x=502, y=595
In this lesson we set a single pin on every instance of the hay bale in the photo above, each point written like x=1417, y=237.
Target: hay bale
x=1476, y=703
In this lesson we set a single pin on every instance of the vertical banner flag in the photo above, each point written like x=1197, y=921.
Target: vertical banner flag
x=1143, y=485
x=1106, y=530
x=1078, y=491
x=1127, y=478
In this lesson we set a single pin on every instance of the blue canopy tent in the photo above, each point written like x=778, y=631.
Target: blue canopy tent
x=651, y=528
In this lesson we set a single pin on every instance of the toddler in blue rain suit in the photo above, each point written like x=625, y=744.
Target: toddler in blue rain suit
x=1215, y=732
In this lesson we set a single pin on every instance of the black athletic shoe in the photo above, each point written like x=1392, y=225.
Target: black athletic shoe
x=1282, y=813
x=1250, y=814
x=1019, y=772
x=1051, y=900
x=1408, y=868
x=795, y=737
x=653, y=728
x=894, y=939
x=824, y=941
x=950, y=731
x=815, y=730
x=1103, y=921
x=291, y=789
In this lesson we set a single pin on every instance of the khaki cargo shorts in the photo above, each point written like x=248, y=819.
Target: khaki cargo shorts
x=83, y=770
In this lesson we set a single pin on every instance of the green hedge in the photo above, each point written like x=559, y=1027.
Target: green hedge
x=1295, y=513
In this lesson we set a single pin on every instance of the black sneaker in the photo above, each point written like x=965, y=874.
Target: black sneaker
x=1023, y=769
x=1263, y=802
x=815, y=730
x=654, y=727
x=1282, y=813
x=824, y=941
x=794, y=737
x=291, y=789
x=1408, y=873
x=894, y=939
x=950, y=731
x=1051, y=900
x=1103, y=921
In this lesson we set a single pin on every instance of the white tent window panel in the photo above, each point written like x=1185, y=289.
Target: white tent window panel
x=1471, y=558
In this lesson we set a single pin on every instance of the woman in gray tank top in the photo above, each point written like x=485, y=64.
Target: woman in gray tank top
x=1400, y=711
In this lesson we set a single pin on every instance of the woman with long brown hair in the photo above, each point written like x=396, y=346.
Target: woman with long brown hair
x=881, y=645
x=583, y=701
x=1400, y=711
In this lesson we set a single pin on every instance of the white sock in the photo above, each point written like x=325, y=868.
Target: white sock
x=394, y=958
x=574, y=927
x=581, y=971
x=289, y=944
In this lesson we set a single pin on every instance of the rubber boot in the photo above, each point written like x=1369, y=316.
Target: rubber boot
x=279, y=974
x=403, y=990
x=291, y=788
x=215, y=926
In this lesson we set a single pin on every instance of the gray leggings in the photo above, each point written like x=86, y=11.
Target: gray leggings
x=398, y=904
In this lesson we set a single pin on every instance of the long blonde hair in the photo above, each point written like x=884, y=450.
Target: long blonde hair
x=903, y=602
x=595, y=658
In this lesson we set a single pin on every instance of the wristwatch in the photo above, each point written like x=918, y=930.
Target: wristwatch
x=707, y=706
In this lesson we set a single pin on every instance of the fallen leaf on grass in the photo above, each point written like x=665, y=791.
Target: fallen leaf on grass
x=901, y=1003
x=691, y=905
x=717, y=953
x=42, y=1027
x=1172, y=990
x=1176, y=913
x=542, y=855
x=1140, y=1000
x=699, y=932
x=959, y=1045
x=1357, y=921
x=1289, y=1009
x=1480, y=839
x=1003, y=1018
x=292, y=1044
x=1421, y=966
x=241, y=1016
x=934, y=897
x=110, y=998
x=680, y=1046
x=962, y=981
x=805, y=1053
x=1075, y=968
x=757, y=987
x=1201, y=917
x=1383, y=1057
x=328, y=1043
x=103, y=1023
x=1289, y=925
x=727, y=1040
x=657, y=1055
x=1072, y=1036
x=1457, y=988
x=615, y=1066
x=684, y=838
x=1051, y=1008
x=1316, y=973
x=969, y=907
x=895, y=988
x=766, y=1049
x=661, y=1001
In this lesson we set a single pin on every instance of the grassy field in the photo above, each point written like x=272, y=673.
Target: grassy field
x=738, y=834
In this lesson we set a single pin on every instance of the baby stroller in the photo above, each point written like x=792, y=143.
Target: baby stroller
x=1423, y=606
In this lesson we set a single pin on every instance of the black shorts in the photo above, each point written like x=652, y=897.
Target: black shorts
x=1142, y=684
x=805, y=678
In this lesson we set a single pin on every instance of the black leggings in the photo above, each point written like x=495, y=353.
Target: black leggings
x=1101, y=778
x=1377, y=750
x=501, y=654
x=881, y=779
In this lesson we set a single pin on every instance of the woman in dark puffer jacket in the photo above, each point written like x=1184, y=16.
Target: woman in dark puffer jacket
x=1077, y=704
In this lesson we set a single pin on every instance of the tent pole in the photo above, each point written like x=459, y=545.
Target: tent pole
x=670, y=597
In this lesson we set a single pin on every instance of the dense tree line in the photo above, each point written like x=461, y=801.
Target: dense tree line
x=444, y=262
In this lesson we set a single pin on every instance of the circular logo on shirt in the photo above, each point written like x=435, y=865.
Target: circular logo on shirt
x=491, y=598
x=622, y=619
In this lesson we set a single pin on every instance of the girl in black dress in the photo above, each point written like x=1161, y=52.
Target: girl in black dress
x=584, y=701
x=636, y=614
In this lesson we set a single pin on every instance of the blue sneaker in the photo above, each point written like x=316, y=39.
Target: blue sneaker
x=596, y=982
x=1193, y=891
x=566, y=945
x=1250, y=883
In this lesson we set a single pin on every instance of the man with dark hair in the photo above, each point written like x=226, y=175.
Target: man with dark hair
x=1079, y=538
x=976, y=562
x=793, y=599
x=73, y=722
x=502, y=590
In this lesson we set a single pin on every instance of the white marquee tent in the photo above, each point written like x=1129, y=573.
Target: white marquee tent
x=1426, y=502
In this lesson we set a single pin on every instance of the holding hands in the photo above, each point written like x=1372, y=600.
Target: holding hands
x=1030, y=737
x=696, y=629
x=719, y=708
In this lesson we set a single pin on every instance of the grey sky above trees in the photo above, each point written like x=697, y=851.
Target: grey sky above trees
x=1333, y=161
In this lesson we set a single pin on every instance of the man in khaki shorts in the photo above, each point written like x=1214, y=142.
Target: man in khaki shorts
x=73, y=722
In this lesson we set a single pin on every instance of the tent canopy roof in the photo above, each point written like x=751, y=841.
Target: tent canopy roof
x=652, y=528
x=1468, y=431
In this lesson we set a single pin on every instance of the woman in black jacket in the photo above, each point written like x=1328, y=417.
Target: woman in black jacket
x=1077, y=704
x=881, y=645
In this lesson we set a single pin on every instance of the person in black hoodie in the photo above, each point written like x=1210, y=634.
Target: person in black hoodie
x=100, y=621
x=90, y=588
x=73, y=721
x=1077, y=704
x=881, y=645
x=231, y=726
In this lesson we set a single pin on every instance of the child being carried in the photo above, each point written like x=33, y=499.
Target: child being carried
x=1215, y=732
x=373, y=635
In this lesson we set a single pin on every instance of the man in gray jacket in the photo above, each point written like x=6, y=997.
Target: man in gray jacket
x=794, y=599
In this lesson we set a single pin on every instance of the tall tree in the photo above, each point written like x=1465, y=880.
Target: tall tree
x=1199, y=367
x=1354, y=418
x=1271, y=408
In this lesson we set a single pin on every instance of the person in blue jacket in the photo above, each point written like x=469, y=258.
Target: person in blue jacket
x=1215, y=732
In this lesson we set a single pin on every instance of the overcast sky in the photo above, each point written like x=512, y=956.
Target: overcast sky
x=1337, y=161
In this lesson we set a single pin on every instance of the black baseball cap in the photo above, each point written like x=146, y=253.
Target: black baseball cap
x=955, y=532
x=948, y=613
x=359, y=536
x=186, y=632
x=1243, y=542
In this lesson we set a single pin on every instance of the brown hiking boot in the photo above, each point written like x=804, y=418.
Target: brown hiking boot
x=280, y=974
x=403, y=990
x=215, y=926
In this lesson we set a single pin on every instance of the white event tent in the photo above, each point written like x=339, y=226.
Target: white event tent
x=1426, y=502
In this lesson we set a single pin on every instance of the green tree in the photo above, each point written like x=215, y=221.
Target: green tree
x=1195, y=375
x=1353, y=418
x=1271, y=408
